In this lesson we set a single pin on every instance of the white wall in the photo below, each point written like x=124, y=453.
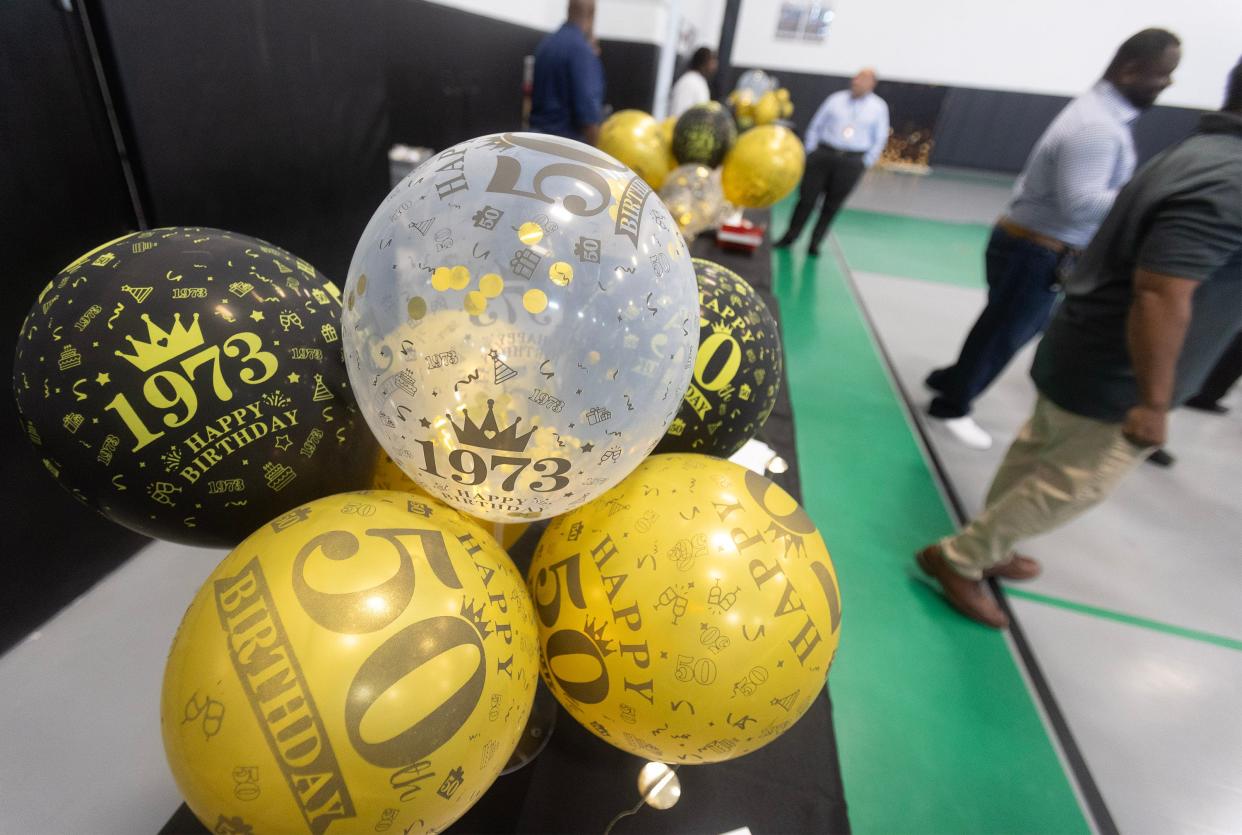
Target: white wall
x=645, y=21
x=1039, y=46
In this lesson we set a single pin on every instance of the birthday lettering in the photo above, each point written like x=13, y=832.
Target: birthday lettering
x=229, y=433
x=271, y=677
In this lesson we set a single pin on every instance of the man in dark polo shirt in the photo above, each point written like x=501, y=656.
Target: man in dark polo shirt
x=1151, y=306
x=567, y=96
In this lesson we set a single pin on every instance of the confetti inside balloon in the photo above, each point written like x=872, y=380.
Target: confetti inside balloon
x=764, y=166
x=520, y=319
x=636, y=139
x=367, y=657
x=688, y=615
x=188, y=384
x=692, y=193
x=737, y=372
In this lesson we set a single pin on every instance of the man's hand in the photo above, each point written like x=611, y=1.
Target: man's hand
x=1146, y=426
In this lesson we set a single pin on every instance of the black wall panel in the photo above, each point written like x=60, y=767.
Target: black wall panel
x=993, y=130
x=630, y=69
x=1160, y=127
x=61, y=193
x=453, y=75
x=267, y=117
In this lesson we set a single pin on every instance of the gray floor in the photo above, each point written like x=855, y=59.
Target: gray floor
x=80, y=704
x=1137, y=625
x=949, y=194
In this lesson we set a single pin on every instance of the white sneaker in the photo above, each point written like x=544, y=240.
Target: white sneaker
x=968, y=432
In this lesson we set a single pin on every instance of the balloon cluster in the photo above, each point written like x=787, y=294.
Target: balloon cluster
x=519, y=328
x=702, y=169
x=758, y=99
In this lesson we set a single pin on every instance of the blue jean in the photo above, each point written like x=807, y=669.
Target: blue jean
x=1022, y=290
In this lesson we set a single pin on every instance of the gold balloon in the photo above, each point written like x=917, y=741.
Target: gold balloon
x=366, y=660
x=764, y=165
x=693, y=197
x=635, y=138
x=666, y=130
x=768, y=109
x=743, y=102
x=689, y=614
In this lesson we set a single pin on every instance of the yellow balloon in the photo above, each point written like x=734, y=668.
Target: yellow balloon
x=666, y=131
x=783, y=94
x=388, y=476
x=768, y=109
x=764, y=165
x=689, y=614
x=635, y=138
x=366, y=661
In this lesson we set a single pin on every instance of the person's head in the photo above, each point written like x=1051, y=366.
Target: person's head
x=582, y=14
x=1233, y=90
x=1143, y=66
x=862, y=83
x=704, y=62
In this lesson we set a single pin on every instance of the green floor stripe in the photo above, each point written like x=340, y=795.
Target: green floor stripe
x=1122, y=617
x=936, y=729
x=910, y=247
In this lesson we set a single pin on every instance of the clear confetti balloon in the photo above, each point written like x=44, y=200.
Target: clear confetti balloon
x=693, y=194
x=521, y=320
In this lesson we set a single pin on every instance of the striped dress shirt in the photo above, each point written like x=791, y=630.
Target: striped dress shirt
x=1079, y=164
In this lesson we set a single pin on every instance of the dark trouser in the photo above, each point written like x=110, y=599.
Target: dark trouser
x=1224, y=374
x=1022, y=279
x=830, y=173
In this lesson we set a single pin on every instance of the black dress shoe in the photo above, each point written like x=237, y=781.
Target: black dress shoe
x=1203, y=404
x=813, y=251
x=1161, y=458
x=783, y=243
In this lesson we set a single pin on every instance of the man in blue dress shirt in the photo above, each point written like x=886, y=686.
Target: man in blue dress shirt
x=1070, y=180
x=845, y=138
x=567, y=98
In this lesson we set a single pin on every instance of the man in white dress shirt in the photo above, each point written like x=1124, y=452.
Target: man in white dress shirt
x=845, y=138
x=693, y=86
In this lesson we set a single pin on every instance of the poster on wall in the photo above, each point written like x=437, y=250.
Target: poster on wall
x=804, y=21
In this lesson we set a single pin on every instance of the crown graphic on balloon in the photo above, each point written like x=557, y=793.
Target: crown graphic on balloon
x=163, y=345
x=488, y=434
x=474, y=614
x=595, y=631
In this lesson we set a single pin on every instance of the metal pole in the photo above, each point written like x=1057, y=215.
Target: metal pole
x=668, y=59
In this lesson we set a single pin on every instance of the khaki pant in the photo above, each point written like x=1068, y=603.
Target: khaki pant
x=1060, y=465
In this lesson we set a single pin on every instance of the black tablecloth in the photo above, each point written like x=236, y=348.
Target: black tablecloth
x=579, y=784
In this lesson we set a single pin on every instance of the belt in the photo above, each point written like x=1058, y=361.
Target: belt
x=1048, y=243
x=841, y=152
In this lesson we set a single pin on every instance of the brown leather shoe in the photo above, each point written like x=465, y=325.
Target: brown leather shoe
x=969, y=597
x=1017, y=567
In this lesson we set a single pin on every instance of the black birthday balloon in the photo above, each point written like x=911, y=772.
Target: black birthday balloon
x=737, y=371
x=188, y=384
x=704, y=134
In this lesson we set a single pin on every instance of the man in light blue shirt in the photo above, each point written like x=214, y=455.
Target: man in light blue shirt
x=845, y=138
x=1067, y=187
